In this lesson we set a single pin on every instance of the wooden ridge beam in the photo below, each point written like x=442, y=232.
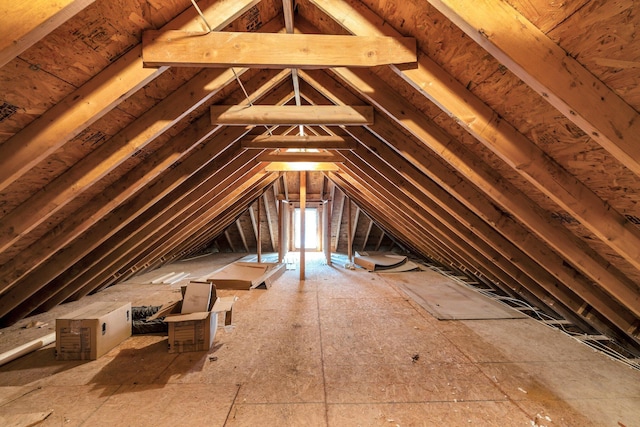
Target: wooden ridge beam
x=25, y=23
x=99, y=95
x=562, y=81
x=272, y=50
x=291, y=115
x=320, y=142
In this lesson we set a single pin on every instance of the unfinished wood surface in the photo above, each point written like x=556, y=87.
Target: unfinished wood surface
x=563, y=81
x=456, y=186
x=518, y=204
x=347, y=352
x=296, y=157
x=466, y=166
x=26, y=23
x=501, y=137
x=291, y=115
x=277, y=50
x=89, y=102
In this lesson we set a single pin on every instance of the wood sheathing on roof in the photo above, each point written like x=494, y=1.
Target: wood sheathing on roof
x=510, y=151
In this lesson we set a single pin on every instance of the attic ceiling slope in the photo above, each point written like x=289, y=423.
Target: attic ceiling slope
x=113, y=169
x=476, y=203
x=533, y=164
x=103, y=92
x=604, y=303
x=562, y=81
x=166, y=190
x=27, y=23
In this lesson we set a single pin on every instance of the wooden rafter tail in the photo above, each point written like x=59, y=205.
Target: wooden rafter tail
x=291, y=115
x=273, y=50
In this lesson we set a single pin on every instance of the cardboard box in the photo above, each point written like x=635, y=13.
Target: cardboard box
x=196, y=331
x=191, y=332
x=90, y=332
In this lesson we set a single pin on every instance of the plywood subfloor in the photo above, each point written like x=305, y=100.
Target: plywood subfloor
x=342, y=348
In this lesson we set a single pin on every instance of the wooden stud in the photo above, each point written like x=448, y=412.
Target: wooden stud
x=349, y=231
x=259, y=233
x=281, y=239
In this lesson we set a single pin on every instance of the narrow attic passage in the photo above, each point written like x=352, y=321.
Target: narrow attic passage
x=342, y=348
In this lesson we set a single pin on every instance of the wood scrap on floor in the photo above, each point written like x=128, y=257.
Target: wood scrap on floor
x=447, y=299
x=246, y=275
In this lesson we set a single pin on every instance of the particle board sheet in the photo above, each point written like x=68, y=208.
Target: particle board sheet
x=447, y=299
x=246, y=275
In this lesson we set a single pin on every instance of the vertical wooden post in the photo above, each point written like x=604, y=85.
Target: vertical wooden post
x=327, y=231
x=259, y=234
x=350, y=233
x=303, y=206
x=281, y=238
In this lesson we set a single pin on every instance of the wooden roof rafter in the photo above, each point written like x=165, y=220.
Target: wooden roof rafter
x=98, y=96
x=28, y=22
x=562, y=81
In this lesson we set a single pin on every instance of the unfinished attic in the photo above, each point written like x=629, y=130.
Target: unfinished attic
x=490, y=153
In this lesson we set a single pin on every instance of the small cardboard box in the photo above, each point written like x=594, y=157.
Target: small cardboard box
x=196, y=331
x=192, y=332
x=90, y=332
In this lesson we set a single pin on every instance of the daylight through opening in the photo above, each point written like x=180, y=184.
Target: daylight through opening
x=311, y=228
